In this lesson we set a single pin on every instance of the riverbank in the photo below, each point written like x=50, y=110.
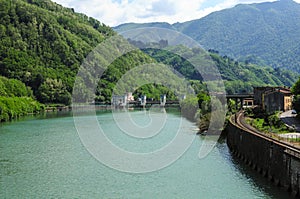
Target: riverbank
x=274, y=159
x=15, y=107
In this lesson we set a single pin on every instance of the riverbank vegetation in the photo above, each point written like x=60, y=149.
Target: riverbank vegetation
x=14, y=107
x=16, y=100
x=203, y=109
x=296, y=92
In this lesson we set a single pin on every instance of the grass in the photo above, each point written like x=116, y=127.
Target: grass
x=272, y=130
x=261, y=125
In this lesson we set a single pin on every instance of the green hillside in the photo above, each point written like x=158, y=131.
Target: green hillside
x=263, y=33
x=41, y=41
x=266, y=31
x=239, y=77
x=43, y=44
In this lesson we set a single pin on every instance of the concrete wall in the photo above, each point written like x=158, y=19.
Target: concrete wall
x=275, y=161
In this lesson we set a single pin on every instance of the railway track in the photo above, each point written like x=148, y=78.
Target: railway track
x=239, y=120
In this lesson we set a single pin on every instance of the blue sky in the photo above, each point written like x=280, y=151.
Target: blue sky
x=115, y=12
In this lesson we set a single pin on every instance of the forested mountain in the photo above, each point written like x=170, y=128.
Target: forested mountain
x=43, y=44
x=239, y=77
x=264, y=33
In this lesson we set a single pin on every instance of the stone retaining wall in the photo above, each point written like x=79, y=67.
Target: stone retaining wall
x=276, y=161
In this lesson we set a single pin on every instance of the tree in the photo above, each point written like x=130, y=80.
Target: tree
x=53, y=91
x=296, y=88
x=296, y=103
x=189, y=107
x=296, y=92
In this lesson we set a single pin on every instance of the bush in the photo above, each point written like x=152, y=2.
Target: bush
x=189, y=107
x=14, y=107
x=13, y=88
x=274, y=120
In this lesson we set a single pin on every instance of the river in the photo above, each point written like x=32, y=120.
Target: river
x=43, y=157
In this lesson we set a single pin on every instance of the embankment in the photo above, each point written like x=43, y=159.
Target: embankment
x=278, y=161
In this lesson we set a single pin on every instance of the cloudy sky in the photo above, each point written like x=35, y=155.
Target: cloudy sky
x=115, y=12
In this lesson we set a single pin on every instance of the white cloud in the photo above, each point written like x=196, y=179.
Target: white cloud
x=115, y=12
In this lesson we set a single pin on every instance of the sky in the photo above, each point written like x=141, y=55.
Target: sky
x=115, y=12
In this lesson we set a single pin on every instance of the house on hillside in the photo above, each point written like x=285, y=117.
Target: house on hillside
x=272, y=99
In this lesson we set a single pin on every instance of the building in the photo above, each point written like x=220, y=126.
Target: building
x=122, y=100
x=248, y=102
x=272, y=99
x=130, y=97
x=119, y=101
x=163, y=100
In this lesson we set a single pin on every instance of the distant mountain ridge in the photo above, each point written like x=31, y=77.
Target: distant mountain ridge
x=43, y=44
x=262, y=33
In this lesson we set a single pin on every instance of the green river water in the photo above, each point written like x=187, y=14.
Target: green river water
x=43, y=157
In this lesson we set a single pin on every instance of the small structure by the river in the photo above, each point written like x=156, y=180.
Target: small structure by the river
x=119, y=101
x=163, y=100
x=143, y=100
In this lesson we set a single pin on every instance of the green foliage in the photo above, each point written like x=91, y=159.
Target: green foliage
x=258, y=123
x=266, y=31
x=117, y=70
x=180, y=64
x=239, y=77
x=296, y=103
x=263, y=34
x=41, y=40
x=270, y=124
x=129, y=26
x=14, y=107
x=189, y=107
x=154, y=91
x=296, y=88
x=296, y=92
x=275, y=121
x=13, y=88
x=16, y=99
x=231, y=106
x=203, y=109
x=265, y=122
x=43, y=44
x=53, y=91
x=202, y=97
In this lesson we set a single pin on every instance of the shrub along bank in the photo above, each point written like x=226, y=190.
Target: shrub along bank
x=14, y=107
x=16, y=100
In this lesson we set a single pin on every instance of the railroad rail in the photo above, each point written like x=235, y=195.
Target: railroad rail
x=239, y=120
